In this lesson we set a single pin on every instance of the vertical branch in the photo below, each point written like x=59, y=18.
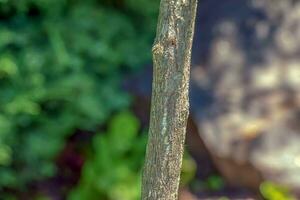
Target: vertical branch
x=170, y=106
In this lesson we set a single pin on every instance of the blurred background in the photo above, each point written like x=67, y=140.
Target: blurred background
x=75, y=89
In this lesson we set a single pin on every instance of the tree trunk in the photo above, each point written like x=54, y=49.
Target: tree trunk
x=170, y=106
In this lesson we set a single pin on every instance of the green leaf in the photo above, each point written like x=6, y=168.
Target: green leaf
x=7, y=66
x=5, y=155
x=122, y=131
x=272, y=191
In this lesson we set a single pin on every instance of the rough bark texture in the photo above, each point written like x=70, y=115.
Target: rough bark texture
x=170, y=106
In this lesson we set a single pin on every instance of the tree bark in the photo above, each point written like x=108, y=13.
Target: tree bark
x=170, y=104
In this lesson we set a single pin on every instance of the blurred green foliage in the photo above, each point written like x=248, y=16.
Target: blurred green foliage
x=214, y=183
x=188, y=169
x=61, y=62
x=272, y=191
x=114, y=167
x=211, y=183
